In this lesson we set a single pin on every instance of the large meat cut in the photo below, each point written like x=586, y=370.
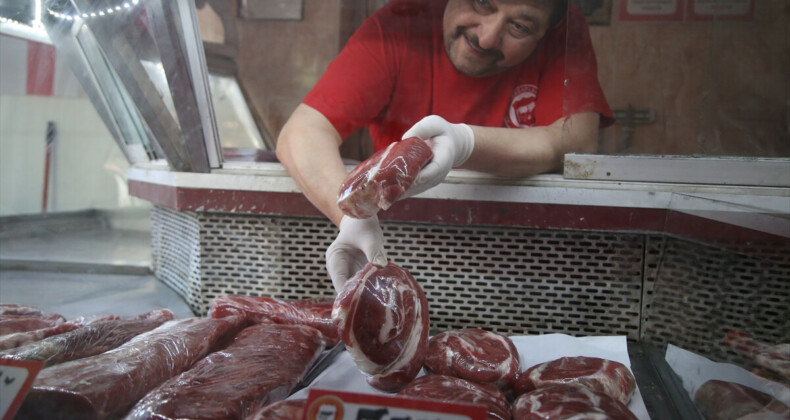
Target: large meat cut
x=109, y=384
x=722, y=400
x=383, y=178
x=88, y=340
x=16, y=309
x=452, y=389
x=569, y=402
x=773, y=357
x=601, y=375
x=382, y=316
x=315, y=312
x=475, y=355
x=262, y=365
x=12, y=323
x=281, y=410
x=17, y=339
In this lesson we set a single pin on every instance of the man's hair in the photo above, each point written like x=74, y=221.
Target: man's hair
x=558, y=11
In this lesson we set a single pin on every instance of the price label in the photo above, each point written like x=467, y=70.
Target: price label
x=334, y=405
x=16, y=378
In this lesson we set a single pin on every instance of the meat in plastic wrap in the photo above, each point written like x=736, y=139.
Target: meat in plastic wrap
x=16, y=309
x=11, y=323
x=262, y=365
x=88, y=340
x=457, y=390
x=281, y=410
x=109, y=384
x=475, y=355
x=569, y=402
x=773, y=357
x=723, y=400
x=383, y=178
x=600, y=375
x=18, y=339
x=315, y=312
x=382, y=316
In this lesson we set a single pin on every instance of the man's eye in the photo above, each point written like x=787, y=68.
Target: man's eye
x=520, y=29
x=484, y=4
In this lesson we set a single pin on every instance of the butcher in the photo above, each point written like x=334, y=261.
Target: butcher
x=504, y=87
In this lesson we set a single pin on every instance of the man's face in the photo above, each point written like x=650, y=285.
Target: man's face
x=486, y=37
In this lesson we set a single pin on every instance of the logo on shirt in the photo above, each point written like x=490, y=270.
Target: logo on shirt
x=521, y=112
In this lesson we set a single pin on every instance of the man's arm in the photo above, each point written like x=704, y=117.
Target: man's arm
x=308, y=148
x=521, y=152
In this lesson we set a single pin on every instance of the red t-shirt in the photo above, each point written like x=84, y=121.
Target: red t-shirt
x=394, y=71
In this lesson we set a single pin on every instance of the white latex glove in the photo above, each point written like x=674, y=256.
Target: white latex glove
x=359, y=241
x=451, y=145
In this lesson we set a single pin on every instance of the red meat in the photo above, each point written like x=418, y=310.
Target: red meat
x=109, y=384
x=10, y=324
x=382, y=316
x=316, y=313
x=475, y=355
x=14, y=309
x=281, y=410
x=383, y=178
x=774, y=357
x=597, y=374
x=457, y=390
x=722, y=400
x=262, y=365
x=566, y=402
x=18, y=339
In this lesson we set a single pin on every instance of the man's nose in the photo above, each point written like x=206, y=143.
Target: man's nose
x=490, y=32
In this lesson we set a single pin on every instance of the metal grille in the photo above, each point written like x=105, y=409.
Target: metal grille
x=509, y=280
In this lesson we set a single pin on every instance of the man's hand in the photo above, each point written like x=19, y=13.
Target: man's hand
x=359, y=241
x=451, y=144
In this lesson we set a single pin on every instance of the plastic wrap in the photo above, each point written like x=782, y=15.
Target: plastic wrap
x=600, y=375
x=281, y=410
x=722, y=400
x=457, y=390
x=382, y=316
x=109, y=384
x=316, y=312
x=569, y=402
x=15, y=309
x=11, y=323
x=383, y=178
x=775, y=358
x=94, y=338
x=475, y=355
x=18, y=339
x=262, y=365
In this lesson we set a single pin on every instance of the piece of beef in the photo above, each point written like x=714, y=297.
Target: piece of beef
x=773, y=357
x=281, y=410
x=383, y=178
x=569, y=402
x=10, y=324
x=315, y=312
x=109, y=384
x=89, y=340
x=601, y=375
x=723, y=400
x=382, y=316
x=475, y=355
x=18, y=339
x=262, y=365
x=457, y=390
x=15, y=309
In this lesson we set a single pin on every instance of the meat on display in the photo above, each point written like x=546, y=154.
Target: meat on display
x=16, y=309
x=315, y=312
x=567, y=402
x=601, y=375
x=723, y=400
x=88, y=340
x=457, y=390
x=383, y=178
x=773, y=357
x=475, y=355
x=18, y=339
x=12, y=323
x=382, y=317
x=109, y=384
x=261, y=366
x=281, y=410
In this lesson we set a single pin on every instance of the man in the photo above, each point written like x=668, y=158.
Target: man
x=508, y=87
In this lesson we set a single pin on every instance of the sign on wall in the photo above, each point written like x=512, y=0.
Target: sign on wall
x=686, y=10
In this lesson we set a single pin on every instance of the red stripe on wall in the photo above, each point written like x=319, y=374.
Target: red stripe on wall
x=40, y=69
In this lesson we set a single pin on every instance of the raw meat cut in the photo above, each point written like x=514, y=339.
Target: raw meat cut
x=382, y=316
x=316, y=312
x=774, y=357
x=89, y=340
x=722, y=400
x=262, y=365
x=14, y=340
x=601, y=375
x=14, y=309
x=109, y=384
x=452, y=389
x=475, y=355
x=566, y=402
x=10, y=324
x=281, y=410
x=383, y=178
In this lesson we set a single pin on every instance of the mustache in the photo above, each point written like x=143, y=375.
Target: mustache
x=472, y=38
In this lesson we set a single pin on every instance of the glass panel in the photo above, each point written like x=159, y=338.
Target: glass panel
x=236, y=127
